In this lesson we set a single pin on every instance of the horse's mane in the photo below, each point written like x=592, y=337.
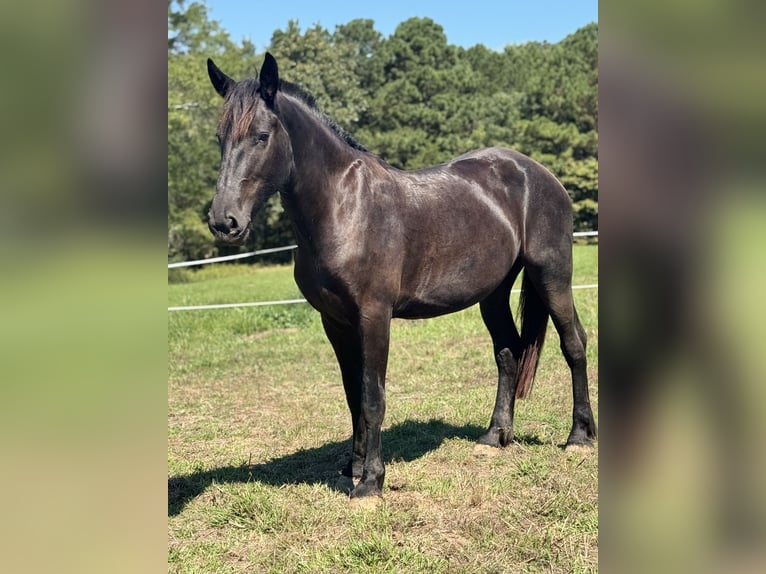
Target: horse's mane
x=239, y=110
x=301, y=94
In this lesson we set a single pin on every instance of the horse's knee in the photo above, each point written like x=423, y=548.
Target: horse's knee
x=506, y=364
x=574, y=352
x=373, y=405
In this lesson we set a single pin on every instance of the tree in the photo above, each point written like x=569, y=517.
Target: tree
x=320, y=64
x=419, y=113
x=363, y=43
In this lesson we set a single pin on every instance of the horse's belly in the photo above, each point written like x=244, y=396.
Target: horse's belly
x=418, y=309
x=444, y=285
x=449, y=294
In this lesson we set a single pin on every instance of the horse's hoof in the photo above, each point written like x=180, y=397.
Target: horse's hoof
x=370, y=489
x=497, y=437
x=485, y=450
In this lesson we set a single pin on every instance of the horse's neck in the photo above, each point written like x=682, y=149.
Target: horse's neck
x=319, y=157
x=315, y=146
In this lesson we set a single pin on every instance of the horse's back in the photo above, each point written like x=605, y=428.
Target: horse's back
x=515, y=187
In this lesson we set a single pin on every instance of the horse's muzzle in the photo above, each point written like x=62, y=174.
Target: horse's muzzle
x=231, y=231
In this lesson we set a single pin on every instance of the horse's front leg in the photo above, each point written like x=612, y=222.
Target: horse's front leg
x=346, y=343
x=374, y=329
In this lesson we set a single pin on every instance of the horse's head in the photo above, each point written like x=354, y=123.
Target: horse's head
x=256, y=155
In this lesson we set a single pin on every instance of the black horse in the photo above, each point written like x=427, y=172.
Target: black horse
x=375, y=242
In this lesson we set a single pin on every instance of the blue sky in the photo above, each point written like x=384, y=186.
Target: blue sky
x=493, y=23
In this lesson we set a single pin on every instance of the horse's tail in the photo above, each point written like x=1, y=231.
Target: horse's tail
x=534, y=322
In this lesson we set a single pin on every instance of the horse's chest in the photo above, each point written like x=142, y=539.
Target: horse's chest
x=324, y=292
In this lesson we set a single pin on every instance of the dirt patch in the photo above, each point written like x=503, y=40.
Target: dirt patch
x=365, y=503
x=486, y=451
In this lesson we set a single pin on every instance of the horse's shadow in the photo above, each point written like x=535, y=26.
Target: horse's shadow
x=405, y=441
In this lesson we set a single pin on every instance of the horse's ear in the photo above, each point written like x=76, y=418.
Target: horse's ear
x=221, y=82
x=269, y=79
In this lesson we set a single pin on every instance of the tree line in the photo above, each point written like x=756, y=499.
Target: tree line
x=412, y=98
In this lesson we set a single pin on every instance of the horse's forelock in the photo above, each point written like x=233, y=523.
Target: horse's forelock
x=239, y=109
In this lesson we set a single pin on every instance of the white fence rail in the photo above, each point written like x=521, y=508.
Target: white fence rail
x=230, y=257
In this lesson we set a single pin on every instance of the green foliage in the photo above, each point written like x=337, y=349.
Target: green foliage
x=188, y=237
x=412, y=98
x=320, y=64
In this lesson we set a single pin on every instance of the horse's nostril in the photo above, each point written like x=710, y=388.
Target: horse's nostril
x=233, y=223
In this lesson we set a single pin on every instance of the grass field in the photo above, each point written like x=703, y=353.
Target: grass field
x=258, y=428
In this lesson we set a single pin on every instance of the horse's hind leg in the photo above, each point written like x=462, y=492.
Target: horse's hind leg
x=573, y=346
x=496, y=313
x=554, y=285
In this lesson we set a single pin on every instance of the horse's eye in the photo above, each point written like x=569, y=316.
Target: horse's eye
x=262, y=137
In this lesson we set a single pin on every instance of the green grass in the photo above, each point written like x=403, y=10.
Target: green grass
x=258, y=427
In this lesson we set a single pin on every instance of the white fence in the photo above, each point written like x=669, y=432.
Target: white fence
x=230, y=257
x=291, y=301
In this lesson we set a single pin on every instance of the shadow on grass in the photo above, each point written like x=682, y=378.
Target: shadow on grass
x=406, y=441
